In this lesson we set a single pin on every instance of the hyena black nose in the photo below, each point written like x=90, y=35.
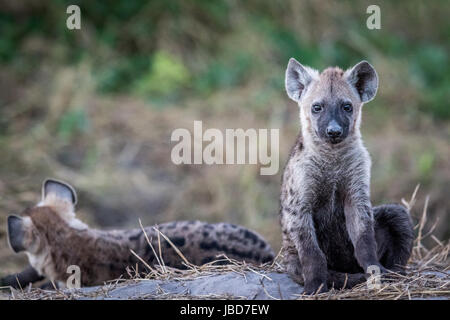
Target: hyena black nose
x=334, y=130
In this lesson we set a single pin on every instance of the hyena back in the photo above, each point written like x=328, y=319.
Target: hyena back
x=331, y=233
x=53, y=239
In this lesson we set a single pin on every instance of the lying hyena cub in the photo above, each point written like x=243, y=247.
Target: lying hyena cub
x=329, y=225
x=53, y=239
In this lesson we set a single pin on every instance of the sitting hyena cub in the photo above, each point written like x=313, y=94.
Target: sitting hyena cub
x=329, y=225
x=53, y=239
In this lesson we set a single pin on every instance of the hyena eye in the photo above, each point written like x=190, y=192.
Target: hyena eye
x=347, y=107
x=316, y=108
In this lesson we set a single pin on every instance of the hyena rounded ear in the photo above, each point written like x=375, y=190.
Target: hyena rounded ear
x=58, y=190
x=16, y=233
x=297, y=79
x=364, y=79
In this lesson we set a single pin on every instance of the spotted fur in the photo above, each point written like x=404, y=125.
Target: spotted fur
x=53, y=239
x=331, y=233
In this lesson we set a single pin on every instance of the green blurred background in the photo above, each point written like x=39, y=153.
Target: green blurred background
x=96, y=106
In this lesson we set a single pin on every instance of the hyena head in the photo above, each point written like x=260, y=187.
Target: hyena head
x=330, y=102
x=54, y=214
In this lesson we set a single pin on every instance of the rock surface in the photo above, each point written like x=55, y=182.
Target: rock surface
x=240, y=284
x=248, y=285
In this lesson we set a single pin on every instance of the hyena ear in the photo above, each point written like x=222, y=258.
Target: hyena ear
x=57, y=190
x=16, y=233
x=364, y=79
x=297, y=79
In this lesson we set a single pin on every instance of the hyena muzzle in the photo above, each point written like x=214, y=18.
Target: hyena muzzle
x=331, y=232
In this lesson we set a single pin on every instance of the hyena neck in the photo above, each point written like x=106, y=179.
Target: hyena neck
x=84, y=248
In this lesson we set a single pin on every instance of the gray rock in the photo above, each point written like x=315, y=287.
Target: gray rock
x=248, y=286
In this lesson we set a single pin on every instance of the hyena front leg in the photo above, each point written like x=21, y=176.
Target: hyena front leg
x=291, y=259
x=360, y=227
x=22, y=279
x=313, y=264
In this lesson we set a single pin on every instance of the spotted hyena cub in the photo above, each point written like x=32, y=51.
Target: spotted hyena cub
x=53, y=239
x=331, y=232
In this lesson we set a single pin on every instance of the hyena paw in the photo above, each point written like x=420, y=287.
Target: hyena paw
x=315, y=286
x=295, y=274
x=296, y=277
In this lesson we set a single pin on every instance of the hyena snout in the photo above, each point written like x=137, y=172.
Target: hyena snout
x=334, y=130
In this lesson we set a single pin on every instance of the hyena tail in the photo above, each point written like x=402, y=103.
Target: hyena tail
x=394, y=234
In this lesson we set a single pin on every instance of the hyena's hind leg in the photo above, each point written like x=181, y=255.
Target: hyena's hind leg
x=394, y=234
x=337, y=280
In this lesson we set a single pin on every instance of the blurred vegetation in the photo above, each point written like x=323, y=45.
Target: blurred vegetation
x=96, y=106
x=172, y=48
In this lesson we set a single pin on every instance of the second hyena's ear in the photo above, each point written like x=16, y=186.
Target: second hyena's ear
x=364, y=79
x=16, y=233
x=54, y=190
x=297, y=79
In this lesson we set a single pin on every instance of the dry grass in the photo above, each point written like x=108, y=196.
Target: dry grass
x=426, y=278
